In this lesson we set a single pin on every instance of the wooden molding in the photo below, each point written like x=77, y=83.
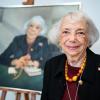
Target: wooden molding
x=28, y=2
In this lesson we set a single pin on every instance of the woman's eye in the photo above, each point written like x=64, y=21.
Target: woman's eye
x=81, y=33
x=31, y=25
x=65, y=32
x=37, y=27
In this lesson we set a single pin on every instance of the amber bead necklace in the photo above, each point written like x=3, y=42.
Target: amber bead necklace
x=75, y=77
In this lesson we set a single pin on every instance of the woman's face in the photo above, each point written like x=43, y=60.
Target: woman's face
x=73, y=36
x=33, y=30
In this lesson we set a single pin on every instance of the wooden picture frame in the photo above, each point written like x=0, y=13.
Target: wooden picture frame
x=28, y=2
x=12, y=19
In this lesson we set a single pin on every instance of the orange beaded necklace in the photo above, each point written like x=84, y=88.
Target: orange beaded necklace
x=74, y=78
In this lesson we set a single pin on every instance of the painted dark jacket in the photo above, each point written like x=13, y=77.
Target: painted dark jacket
x=54, y=82
x=41, y=50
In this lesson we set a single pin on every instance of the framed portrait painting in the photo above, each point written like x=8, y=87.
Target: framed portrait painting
x=22, y=63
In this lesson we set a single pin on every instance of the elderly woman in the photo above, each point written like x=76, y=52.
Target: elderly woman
x=29, y=49
x=74, y=75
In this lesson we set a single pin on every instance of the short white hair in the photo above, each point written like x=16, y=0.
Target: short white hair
x=37, y=19
x=92, y=31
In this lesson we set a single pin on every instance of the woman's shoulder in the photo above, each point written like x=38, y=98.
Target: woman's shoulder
x=56, y=63
x=42, y=38
x=92, y=53
x=97, y=55
x=97, y=58
x=57, y=58
x=20, y=36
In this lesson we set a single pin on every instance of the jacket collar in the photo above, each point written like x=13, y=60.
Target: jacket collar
x=89, y=72
x=61, y=65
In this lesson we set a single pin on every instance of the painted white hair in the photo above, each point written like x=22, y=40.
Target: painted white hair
x=37, y=19
x=92, y=31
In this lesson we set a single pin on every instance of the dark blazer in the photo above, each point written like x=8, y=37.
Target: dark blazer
x=41, y=50
x=54, y=82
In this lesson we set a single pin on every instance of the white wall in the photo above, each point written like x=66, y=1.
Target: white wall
x=10, y=2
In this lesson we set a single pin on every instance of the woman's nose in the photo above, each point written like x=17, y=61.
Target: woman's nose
x=72, y=37
x=33, y=29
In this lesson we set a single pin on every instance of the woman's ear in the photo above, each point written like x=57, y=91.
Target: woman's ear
x=59, y=42
x=88, y=43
